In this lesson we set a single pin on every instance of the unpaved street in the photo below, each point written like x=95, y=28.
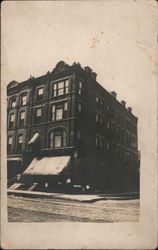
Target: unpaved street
x=22, y=209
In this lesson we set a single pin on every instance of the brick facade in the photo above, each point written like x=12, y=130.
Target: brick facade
x=74, y=115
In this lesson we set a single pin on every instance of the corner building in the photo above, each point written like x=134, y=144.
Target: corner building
x=65, y=125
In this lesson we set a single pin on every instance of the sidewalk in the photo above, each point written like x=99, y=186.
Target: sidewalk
x=90, y=198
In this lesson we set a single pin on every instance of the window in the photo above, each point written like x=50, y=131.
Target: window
x=117, y=116
x=61, y=88
x=55, y=89
x=38, y=114
x=59, y=113
x=64, y=138
x=21, y=118
x=113, y=147
x=97, y=99
x=97, y=118
x=79, y=107
x=20, y=141
x=11, y=120
x=53, y=113
x=99, y=142
x=108, y=125
x=108, y=107
x=51, y=140
x=80, y=88
x=23, y=100
x=101, y=102
x=108, y=146
x=10, y=142
x=66, y=86
x=39, y=93
x=13, y=102
x=78, y=134
x=101, y=120
x=65, y=106
x=58, y=139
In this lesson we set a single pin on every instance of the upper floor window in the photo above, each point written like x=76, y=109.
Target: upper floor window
x=58, y=111
x=99, y=119
x=117, y=116
x=99, y=142
x=108, y=124
x=22, y=118
x=117, y=130
x=79, y=107
x=65, y=106
x=13, y=102
x=39, y=93
x=19, y=143
x=23, y=100
x=38, y=114
x=60, y=88
x=9, y=144
x=99, y=100
x=58, y=139
x=78, y=134
x=11, y=120
x=80, y=88
x=108, y=146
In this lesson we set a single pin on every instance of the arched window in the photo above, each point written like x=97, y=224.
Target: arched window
x=23, y=100
x=58, y=138
x=13, y=102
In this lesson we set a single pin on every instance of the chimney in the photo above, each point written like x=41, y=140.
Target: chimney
x=123, y=103
x=114, y=94
x=94, y=76
x=31, y=77
x=88, y=70
x=129, y=109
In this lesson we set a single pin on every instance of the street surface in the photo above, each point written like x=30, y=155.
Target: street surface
x=22, y=209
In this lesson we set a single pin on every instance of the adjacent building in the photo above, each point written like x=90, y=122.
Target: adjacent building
x=66, y=126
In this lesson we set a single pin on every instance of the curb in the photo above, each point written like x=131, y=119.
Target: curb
x=51, y=196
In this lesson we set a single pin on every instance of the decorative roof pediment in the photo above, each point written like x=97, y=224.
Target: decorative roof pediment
x=60, y=67
x=12, y=84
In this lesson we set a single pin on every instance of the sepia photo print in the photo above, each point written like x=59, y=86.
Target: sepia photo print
x=78, y=124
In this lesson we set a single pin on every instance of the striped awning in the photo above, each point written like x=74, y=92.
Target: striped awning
x=34, y=138
x=48, y=165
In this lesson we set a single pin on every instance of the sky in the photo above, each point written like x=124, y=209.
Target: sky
x=117, y=39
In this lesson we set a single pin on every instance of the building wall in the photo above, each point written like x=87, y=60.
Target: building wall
x=101, y=132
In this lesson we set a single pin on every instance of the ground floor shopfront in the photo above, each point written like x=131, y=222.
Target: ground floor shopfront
x=63, y=171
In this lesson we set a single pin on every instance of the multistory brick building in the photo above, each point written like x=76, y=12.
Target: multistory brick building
x=67, y=116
